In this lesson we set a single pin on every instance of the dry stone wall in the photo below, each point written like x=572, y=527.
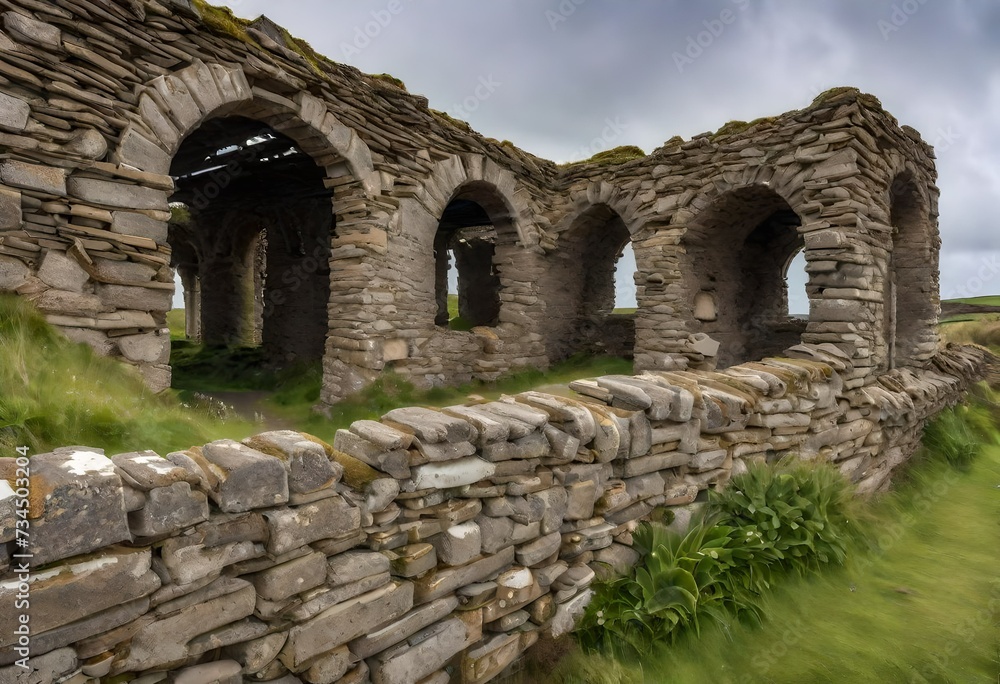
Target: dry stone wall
x=433, y=545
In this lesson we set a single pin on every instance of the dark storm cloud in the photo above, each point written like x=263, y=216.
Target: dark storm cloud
x=569, y=76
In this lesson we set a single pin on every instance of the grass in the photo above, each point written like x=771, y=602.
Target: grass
x=295, y=391
x=57, y=393
x=919, y=601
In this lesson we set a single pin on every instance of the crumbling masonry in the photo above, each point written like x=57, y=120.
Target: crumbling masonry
x=315, y=210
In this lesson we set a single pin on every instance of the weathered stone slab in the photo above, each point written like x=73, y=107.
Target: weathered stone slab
x=147, y=470
x=77, y=504
x=47, y=179
x=412, y=622
x=429, y=650
x=247, y=479
x=459, y=544
x=107, y=193
x=344, y=622
x=309, y=468
x=152, y=347
x=163, y=644
x=78, y=589
x=188, y=561
x=449, y=474
x=140, y=225
x=288, y=579
x=135, y=298
x=440, y=582
x=14, y=113
x=431, y=426
x=13, y=272
x=169, y=509
x=293, y=527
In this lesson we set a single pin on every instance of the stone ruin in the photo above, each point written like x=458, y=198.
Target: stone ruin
x=315, y=211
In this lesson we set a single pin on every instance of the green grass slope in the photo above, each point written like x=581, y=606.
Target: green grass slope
x=56, y=393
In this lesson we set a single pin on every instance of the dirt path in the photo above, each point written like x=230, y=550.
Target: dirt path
x=251, y=406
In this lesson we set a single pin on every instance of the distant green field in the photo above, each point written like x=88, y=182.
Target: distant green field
x=985, y=300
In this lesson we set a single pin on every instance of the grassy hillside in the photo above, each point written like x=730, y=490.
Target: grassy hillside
x=54, y=393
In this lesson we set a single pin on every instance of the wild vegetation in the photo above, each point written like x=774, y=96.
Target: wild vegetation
x=908, y=590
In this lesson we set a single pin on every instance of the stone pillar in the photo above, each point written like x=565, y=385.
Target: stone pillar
x=297, y=284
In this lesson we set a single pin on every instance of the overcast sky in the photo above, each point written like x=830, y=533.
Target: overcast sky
x=564, y=74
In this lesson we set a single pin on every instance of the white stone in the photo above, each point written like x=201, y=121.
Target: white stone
x=449, y=474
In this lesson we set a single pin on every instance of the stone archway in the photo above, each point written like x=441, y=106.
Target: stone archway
x=172, y=107
x=910, y=295
x=738, y=248
x=580, y=287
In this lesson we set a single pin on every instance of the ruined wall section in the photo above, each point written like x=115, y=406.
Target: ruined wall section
x=833, y=163
x=430, y=546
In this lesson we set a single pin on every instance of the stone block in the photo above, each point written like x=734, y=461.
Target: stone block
x=67, y=303
x=152, y=347
x=45, y=669
x=440, y=582
x=535, y=552
x=256, y=654
x=309, y=468
x=459, y=544
x=77, y=504
x=428, y=651
x=330, y=667
x=411, y=560
x=247, y=479
x=324, y=519
x=187, y=561
x=46, y=179
x=217, y=672
x=344, y=622
x=135, y=298
x=431, y=426
x=108, y=193
x=291, y=578
x=449, y=474
x=85, y=628
x=147, y=470
x=79, y=589
x=412, y=622
x=13, y=272
x=139, y=225
x=352, y=566
x=27, y=30
x=164, y=643
x=169, y=509
x=14, y=113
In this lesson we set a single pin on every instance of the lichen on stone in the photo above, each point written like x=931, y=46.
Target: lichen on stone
x=617, y=155
x=392, y=80
x=222, y=20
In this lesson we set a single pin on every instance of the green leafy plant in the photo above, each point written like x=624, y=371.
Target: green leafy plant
x=709, y=572
x=800, y=512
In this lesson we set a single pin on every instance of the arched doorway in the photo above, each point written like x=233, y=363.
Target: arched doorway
x=739, y=250
x=253, y=250
x=584, y=289
x=910, y=295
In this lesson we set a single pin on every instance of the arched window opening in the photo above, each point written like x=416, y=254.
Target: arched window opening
x=910, y=293
x=591, y=289
x=796, y=278
x=741, y=250
x=250, y=239
x=467, y=282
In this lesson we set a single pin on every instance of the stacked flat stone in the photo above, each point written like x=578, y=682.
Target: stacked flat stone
x=432, y=545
